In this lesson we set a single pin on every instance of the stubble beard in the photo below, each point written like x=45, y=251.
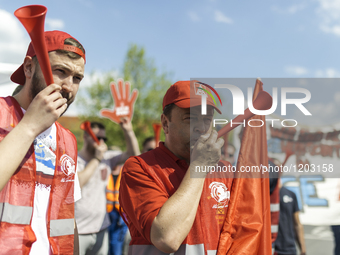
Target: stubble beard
x=38, y=85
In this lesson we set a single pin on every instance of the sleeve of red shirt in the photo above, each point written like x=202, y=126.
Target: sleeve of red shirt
x=140, y=197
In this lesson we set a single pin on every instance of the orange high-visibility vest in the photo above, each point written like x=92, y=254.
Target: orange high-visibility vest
x=17, y=197
x=112, y=193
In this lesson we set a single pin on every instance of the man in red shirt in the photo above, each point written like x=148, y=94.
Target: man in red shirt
x=168, y=210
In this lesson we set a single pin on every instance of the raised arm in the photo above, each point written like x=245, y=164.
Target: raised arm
x=43, y=111
x=132, y=147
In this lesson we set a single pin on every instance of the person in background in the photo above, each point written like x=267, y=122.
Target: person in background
x=95, y=165
x=149, y=144
x=230, y=155
x=290, y=228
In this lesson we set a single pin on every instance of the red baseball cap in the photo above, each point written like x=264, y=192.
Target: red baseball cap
x=54, y=41
x=185, y=94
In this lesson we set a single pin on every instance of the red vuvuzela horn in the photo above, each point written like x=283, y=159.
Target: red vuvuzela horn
x=157, y=131
x=87, y=127
x=262, y=102
x=32, y=17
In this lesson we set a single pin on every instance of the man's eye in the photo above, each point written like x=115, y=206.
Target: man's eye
x=77, y=78
x=61, y=71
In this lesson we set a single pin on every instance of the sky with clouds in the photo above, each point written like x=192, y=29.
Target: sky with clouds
x=195, y=38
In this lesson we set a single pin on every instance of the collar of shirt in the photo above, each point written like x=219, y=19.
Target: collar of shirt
x=181, y=162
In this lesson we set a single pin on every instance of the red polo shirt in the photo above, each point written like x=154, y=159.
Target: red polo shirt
x=150, y=179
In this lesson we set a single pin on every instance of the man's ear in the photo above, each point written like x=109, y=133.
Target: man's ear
x=165, y=124
x=28, y=67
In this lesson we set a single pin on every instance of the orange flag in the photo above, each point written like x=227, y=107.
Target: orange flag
x=247, y=229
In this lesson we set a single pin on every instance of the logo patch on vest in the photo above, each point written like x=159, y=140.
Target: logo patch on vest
x=68, y=167
x=221, y=194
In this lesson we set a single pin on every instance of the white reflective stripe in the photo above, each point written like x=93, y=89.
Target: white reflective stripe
x=61, y=227
x=196, y=249
x=274, y=207
x=275, y=228
x=15, y=214
x=184, y=249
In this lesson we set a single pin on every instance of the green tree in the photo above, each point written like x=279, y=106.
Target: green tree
x=144, y=76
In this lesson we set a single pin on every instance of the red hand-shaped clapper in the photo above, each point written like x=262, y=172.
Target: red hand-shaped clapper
x=123, y=102
x=87, y=127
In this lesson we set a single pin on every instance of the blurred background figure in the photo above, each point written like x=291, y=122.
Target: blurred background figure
x=95, y=164
x=118, y=228
x=149, y=144
x=336, y=233
x=290, y=229
x=229, y=154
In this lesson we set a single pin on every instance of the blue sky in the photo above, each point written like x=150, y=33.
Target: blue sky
x=202, y=38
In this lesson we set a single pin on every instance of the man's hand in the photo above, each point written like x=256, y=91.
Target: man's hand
x=123, y=102
x=126, y=124
x=44, y=109
x=100, y=149
x=207, y=150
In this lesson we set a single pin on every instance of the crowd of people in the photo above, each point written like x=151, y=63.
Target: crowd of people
x=57, y=200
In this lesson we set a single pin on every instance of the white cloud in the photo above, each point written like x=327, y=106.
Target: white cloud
x=193, y=16
x=289, y=10
x=220, y=17
x=329, y=13
x=296, y=70
x=54, y=24
x=327, y=73
x=295, y=8
x=13, y=39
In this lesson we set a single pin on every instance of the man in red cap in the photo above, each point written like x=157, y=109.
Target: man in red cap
x=171, y=203
x=39, y=183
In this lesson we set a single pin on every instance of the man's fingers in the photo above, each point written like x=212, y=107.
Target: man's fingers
x=213, y=136
x=62, y=109
x=60, y=102
x=220, y=142
x=50, y=89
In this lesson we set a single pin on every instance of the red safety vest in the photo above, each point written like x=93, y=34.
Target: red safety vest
x=17, y=197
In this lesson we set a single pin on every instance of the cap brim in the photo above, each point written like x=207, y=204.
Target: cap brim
x=19, y=76
x=187, y=103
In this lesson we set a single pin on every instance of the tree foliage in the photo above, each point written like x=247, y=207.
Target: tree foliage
x=144, y=76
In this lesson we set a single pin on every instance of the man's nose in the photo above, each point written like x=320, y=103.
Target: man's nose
x=201, y=127
x=67, y=84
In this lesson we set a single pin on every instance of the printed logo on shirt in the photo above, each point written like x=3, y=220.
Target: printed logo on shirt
x=220, y=193
x=287, y=199
x=68, y=167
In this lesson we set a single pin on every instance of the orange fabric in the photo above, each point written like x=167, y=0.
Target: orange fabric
x=147, y=183
x=112, y=193
x=247, y=227
x=19, y=190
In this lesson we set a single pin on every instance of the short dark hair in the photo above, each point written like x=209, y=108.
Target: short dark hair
x=99, y=125
x=167, y=110
x=149, y=139
x=72, y=42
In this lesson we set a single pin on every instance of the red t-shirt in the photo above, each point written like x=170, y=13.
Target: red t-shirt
x=150, y=179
